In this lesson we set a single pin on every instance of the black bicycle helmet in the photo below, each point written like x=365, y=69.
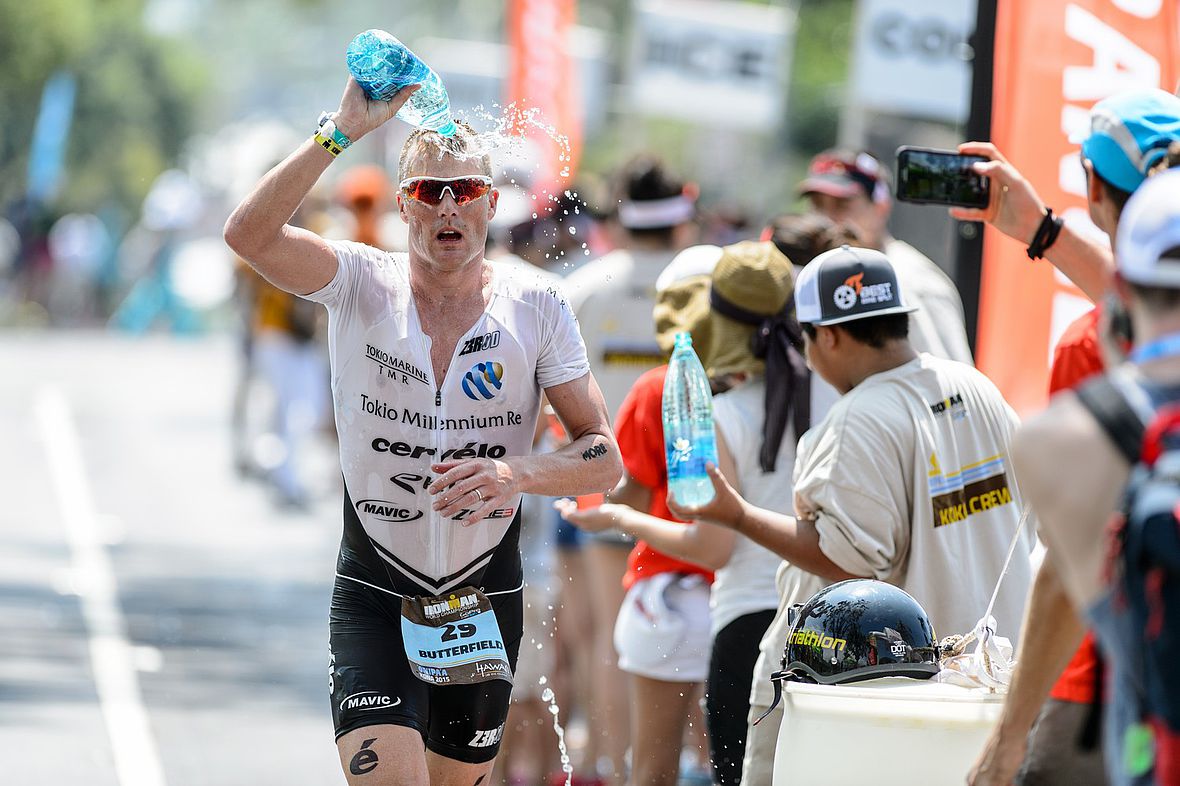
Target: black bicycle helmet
x=859, y=630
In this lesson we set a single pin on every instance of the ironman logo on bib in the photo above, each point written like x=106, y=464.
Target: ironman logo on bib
x=483, y=381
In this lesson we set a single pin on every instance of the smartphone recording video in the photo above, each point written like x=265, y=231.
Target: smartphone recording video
x=940, y=177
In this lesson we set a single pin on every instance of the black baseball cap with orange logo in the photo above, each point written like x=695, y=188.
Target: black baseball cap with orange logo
x=848, y=283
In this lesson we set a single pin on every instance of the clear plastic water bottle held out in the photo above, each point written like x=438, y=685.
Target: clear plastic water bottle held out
x=382, y=65
x=689, y=440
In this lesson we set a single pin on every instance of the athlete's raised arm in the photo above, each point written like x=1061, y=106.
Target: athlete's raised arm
x=291, y=258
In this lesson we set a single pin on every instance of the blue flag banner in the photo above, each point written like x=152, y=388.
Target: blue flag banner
x=48, y=152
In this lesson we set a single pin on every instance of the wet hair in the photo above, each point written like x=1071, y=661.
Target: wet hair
x=462, y=145
x=876, y=332
x=804, y=236
x=643, y=178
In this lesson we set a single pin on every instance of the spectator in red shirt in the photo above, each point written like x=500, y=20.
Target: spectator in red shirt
x=663, y=630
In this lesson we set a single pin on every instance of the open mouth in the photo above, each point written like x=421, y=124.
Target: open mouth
x=449, y=235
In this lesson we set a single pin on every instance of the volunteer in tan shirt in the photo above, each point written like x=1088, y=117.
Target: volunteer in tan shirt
x=908, y=477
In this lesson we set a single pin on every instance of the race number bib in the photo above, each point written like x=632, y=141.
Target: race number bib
x=454, y=639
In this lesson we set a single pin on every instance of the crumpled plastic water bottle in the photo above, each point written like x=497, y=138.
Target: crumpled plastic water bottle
x=382, y=65
x=689, y=439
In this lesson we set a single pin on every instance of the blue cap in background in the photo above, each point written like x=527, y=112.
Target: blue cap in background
x=1129, y=133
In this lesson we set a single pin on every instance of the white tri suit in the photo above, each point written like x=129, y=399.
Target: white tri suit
x=406, y=579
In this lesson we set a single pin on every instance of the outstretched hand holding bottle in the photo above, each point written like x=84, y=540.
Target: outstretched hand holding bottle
x=726, y=507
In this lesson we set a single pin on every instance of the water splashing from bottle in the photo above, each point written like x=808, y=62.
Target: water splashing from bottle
x=548, y=696
x=510, y=143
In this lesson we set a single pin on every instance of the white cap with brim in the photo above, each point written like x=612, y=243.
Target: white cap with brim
x=690, y=262
x=1148, y=245
x=846, y=284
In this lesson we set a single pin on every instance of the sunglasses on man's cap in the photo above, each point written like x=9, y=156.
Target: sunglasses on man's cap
x=430, y=190
x=843, y=170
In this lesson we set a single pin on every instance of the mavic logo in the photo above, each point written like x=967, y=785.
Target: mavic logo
x=368, y=700
x=383, y=510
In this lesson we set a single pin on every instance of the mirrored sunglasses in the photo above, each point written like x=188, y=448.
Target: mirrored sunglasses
x=430, y=190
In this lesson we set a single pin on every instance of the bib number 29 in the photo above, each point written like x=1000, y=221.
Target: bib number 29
x=463, y=630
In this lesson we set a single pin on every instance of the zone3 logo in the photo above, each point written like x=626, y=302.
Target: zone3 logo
x=480, y=343
x=487, y=738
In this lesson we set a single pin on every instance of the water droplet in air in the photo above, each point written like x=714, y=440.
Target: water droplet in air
x=573, y=230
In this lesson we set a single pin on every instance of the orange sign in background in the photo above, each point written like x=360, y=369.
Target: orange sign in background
x=1054, y=60
x=542, y=77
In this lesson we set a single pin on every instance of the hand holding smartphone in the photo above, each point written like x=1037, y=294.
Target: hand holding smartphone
x=940, y=177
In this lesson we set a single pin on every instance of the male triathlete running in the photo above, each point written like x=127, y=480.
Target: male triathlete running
x=439, y=359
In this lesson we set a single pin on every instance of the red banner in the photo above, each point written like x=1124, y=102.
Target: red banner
x=1054, y=60
x=542, y=77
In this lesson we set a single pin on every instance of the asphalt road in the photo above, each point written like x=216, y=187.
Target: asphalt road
x=161, y=621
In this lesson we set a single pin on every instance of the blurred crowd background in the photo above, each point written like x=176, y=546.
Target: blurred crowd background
x=134, y=126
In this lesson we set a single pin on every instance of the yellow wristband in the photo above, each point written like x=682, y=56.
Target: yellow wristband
x=328, y=144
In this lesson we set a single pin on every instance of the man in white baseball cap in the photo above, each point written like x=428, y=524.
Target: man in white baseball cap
x=908, y=478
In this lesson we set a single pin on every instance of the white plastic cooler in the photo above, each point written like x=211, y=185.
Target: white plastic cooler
x=877, y=731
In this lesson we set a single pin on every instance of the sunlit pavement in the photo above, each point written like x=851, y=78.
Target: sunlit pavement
x=205, y=661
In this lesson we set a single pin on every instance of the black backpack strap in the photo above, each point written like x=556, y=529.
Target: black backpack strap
x=1090, y=733
x=1109, y=401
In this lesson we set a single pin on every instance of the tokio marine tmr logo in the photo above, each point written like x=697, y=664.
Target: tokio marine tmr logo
x=484, y=380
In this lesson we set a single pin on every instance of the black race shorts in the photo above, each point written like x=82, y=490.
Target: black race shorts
x=371, y=681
